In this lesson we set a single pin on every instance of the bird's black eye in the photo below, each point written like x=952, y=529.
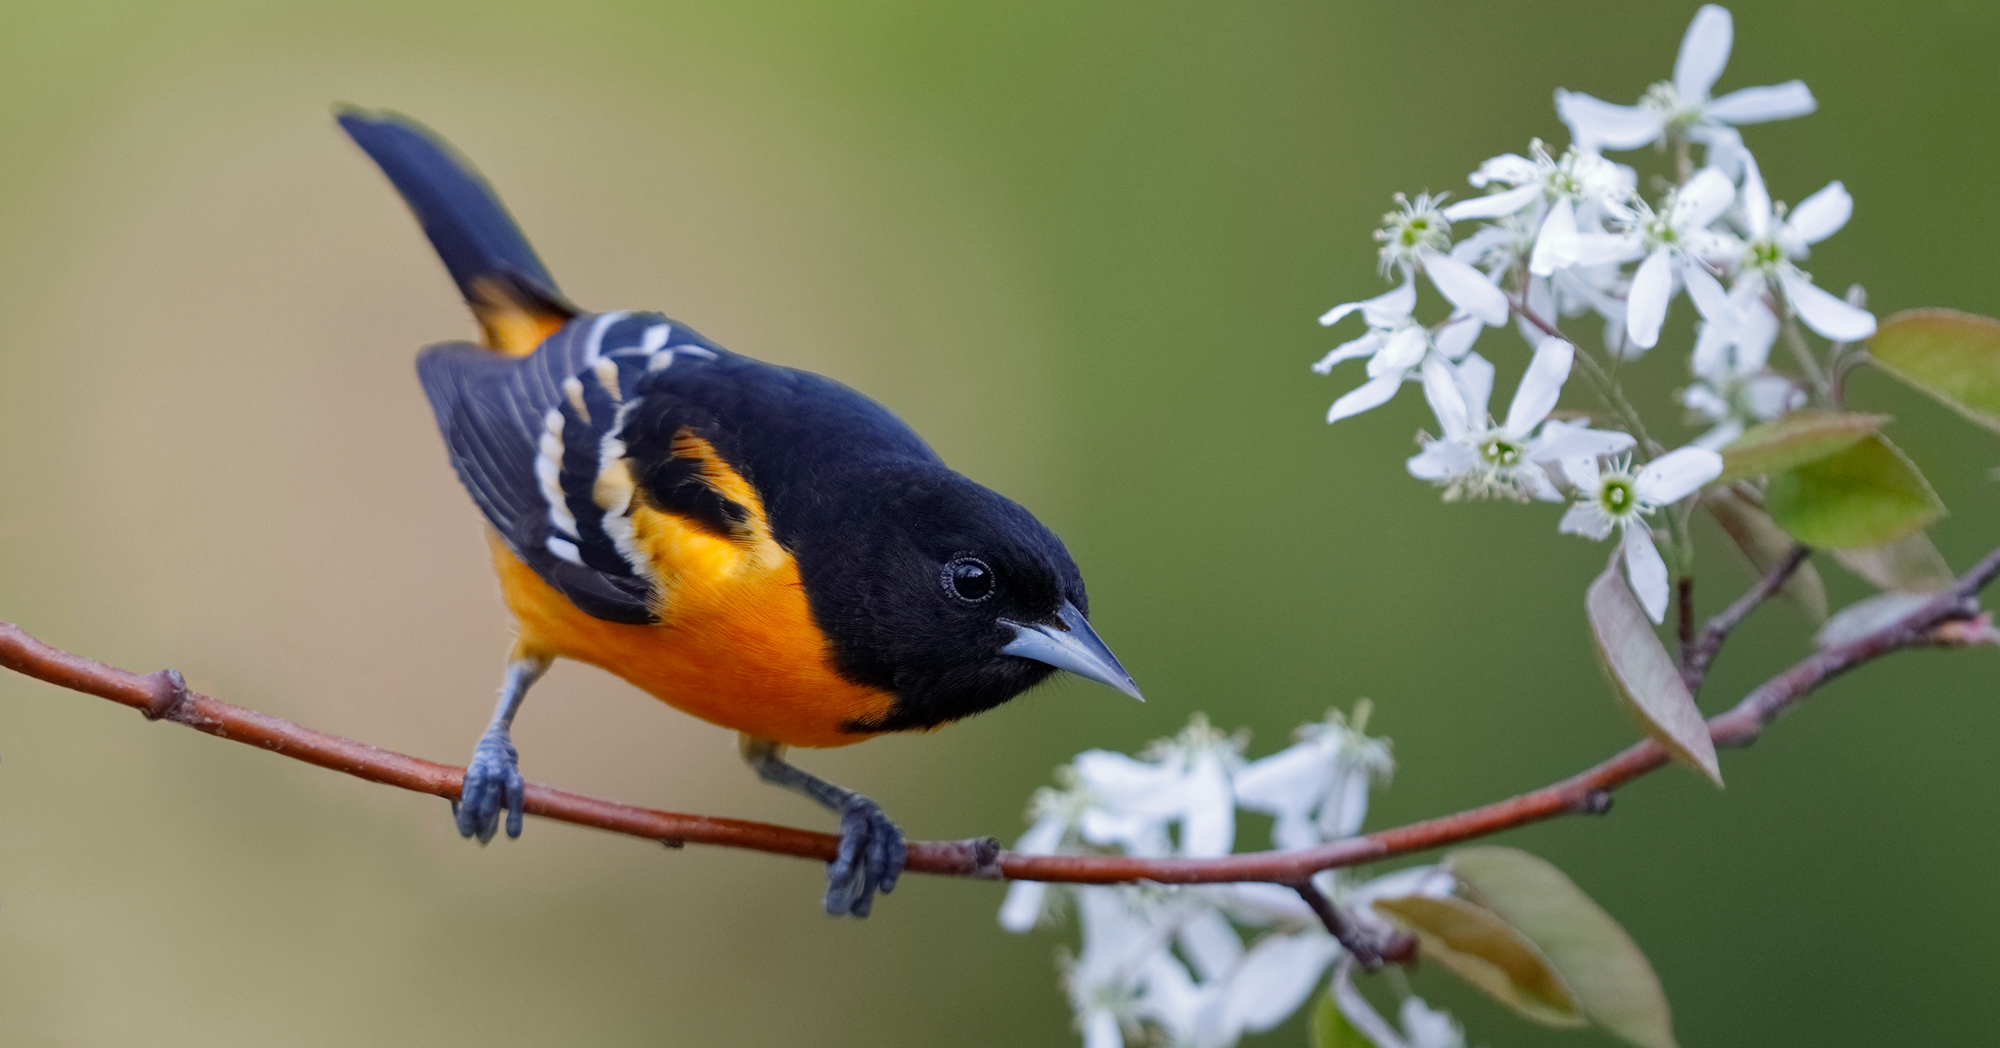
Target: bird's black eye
x=968, y=579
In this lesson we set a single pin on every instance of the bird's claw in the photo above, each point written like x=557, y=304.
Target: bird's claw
x=871, y=858
x=493, y=783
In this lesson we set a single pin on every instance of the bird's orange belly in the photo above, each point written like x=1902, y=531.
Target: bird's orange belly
x=752, y=661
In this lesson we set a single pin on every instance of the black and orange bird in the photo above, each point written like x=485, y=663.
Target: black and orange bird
x=759, y=546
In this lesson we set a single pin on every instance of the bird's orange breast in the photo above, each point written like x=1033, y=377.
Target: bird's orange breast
x=754, y=663
x=735, y=645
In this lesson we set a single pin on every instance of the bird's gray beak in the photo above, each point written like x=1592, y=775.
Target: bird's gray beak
x=1070, y=644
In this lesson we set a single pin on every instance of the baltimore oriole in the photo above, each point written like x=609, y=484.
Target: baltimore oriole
x=759, y=546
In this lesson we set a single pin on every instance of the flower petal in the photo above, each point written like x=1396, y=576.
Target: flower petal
x=1724, y=147
x=1365, y=346
x=1757, y=330
x=1371, y=394
x=1820, y=215
x=1428, y=1027
x=1824, y=313
x=1210, y=943
x=1773, y=395
x=1676, y=474
x=1540, y=387
x=1756, y=105
x=1208, y=827
x=1709, y=298
x=1721, y=436
x=1402, y=352
x=1584, y=518
x=1511, y=168
x=1277, y=976
x=1756, y=200
x=1440, y=460
x=1646, y=303
x=1494, y=205
x=1561, y=440
x=1456, y=337
x=1466, y=287
x=1100, y=1030
x=1023, y=908
x=1475, y=377
x=1597, y=124
x=1704, y=51
x=1447, y=398
x=1646, y=570
x=1555, y=244
x=1384, y=310
x=1703, y=200
x=1711, y=347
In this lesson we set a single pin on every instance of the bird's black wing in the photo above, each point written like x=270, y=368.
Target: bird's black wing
x=529, y=436
x=558, y=447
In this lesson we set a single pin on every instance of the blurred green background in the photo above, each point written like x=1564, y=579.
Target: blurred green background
x=1080, y=246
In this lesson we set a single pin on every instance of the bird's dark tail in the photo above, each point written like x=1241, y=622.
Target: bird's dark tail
x=511, y=293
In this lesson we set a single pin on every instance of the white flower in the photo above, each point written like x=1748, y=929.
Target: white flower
x=1415, y=237
x=1555, y=207
x=1266, y=986
x=1732, y=389
x=1618, y=497
x=1682, y=106
x=1318, y=787
x=1394, y=344
x=1478, y=459
x=1184, y=780
x=1772, y=247
x=1678, y=247
x=1427, y=1027
x=1056, y=813
x=1120, y=938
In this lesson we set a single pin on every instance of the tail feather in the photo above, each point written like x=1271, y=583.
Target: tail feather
x=512, y=294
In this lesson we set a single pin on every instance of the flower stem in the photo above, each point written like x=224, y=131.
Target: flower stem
x=1796, y=340
x=1606, y=387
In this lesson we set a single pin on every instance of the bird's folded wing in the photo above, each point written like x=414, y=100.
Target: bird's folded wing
x=538, y=442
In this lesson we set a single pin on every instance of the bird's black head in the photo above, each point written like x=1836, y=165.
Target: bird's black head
x=949, y=595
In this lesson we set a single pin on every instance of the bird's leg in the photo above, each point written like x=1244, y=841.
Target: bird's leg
x=493, y=778
x=871, y=847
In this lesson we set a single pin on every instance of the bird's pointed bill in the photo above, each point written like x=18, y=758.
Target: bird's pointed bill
x=1070, y=644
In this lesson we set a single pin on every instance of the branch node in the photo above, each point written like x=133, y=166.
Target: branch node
x=170, y=695
x=1400, y=948
x=985, y=857
x=1592, y=802
x=674, y=843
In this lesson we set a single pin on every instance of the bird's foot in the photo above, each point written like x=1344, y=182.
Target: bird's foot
x=492, y=783
x=870, y=859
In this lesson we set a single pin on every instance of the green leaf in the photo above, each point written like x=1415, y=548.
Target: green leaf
x=1644, y=676
x=1611, y=978
x=1763, y=544
x=1954, y=357
x=1868, y=495
x=1476, y=945
x=1330, y=1029
x=1911, y=564
x=1798, y=438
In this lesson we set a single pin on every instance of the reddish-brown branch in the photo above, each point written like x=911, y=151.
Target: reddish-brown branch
x=163, y=696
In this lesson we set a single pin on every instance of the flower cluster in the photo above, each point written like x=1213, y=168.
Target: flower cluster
x=1558, y=235
x=1174, y=960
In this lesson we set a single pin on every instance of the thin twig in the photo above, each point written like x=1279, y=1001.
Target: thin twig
x=1684, y=601
x=1795, y=340
x=1370, y=952
x=1606, y=387
x=1698, y=656
x=163, y=696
